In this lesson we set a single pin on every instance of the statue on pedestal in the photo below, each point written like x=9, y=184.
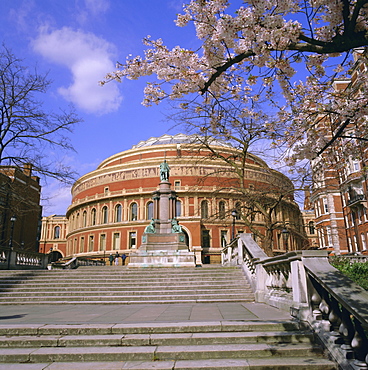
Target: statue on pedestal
x=175, y=227
x=150, y=229
x=164, y=171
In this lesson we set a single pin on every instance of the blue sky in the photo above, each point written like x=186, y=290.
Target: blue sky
x=77, y=42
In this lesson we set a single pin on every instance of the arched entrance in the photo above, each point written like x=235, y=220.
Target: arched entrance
x=54, y=256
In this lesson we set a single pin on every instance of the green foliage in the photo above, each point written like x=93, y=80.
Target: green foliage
x=356, y=271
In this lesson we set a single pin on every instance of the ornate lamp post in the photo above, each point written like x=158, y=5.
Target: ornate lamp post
x=12, y=222
x=234, y=213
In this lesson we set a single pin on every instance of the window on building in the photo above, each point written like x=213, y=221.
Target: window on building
x=118, y=213
x=325, y=205
x=321, y=235
x=133, y=212
x=57, y=232
x=77, y=221
x=149, y=211
x=177, y=208
x=105, y=215
x=90, y=243
x=312, y=229
x=329, y=236
x=84, y=218
x=102, y=242
x=206, y=239
x=204, y=209
x=106, y=190
x=222, y=210
x=93, y=216
x=116, y=241
x=355, y=243
x=364, y=243
x=355, y=166
x=132, y=239
x=177, y=184
x=81, y=246
x=223, y=238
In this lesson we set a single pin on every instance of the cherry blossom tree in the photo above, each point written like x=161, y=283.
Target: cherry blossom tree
x=286, y=53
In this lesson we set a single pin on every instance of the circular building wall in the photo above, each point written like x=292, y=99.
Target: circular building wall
x=112, y=205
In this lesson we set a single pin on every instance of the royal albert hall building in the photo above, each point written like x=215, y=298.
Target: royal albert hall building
x=112, y=205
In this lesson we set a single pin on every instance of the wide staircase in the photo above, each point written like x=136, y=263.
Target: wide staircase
x=110, y=284
x=225, y=344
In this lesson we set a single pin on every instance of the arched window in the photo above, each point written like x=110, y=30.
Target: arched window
x=118, y=213
x=178, y=208
x=204, y=209
x=133, y=212
x=77, y=221
x=84, y=218
x=57, y=232
x=312, y=229
x=149, y=211
x=222, y=210
x=105, y=215
x=93, y=216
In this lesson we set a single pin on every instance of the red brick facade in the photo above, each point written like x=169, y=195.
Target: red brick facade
x=340, y=190
x=112, y=205
x=20, y=202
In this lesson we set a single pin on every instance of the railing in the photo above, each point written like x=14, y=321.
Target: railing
x=12, y=259
x=305, y=283
x=75, y=262
x=355, y=199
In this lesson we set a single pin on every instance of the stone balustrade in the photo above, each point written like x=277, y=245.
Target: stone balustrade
x=75, y=262
x=305, y=283
x=12, y=259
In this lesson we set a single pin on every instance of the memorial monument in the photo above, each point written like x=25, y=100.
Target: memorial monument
x=163, y=241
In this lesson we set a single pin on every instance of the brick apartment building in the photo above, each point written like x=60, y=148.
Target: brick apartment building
x=20, y=210
x=340, y=191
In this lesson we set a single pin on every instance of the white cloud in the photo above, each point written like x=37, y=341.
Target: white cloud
x=97, y=7
x=88, y=58
x=55, y=199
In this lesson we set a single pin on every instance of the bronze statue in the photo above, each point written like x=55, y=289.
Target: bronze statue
x=164, y=171
x=150, y=229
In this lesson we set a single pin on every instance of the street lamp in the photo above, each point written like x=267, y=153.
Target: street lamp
x=285, y=235
x=12, y=222
x=234, y=213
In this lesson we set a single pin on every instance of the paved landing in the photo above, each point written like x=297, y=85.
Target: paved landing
x=137, y=313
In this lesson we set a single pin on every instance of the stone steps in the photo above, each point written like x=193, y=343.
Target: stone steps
x=226, y=345
x=112, y=285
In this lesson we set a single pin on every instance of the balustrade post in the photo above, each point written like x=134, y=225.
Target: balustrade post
x=299, y=289
x=335, y=319
x=240, y=252
x=229, y=255
x=359, y=344
x=347, y=332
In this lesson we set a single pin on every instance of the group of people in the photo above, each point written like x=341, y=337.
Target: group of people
x=115, y=258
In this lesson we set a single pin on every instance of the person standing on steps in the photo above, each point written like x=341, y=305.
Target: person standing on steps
x=111, y=259
x=123, y=257
x=117, y=258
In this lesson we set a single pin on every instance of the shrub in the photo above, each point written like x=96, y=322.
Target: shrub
x=356, y=271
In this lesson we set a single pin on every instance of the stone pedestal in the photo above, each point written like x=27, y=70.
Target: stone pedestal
x=163, y=245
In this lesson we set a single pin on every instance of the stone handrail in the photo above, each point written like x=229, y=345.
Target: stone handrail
x=12, y=259
x=305, y=283
x=75, y=262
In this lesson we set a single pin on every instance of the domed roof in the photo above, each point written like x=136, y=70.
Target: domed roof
x=176, y=139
